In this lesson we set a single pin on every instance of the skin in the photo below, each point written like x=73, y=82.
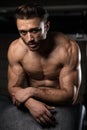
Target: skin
x=52, y=65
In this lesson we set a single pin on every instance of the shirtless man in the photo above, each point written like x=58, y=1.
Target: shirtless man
x=51, y=62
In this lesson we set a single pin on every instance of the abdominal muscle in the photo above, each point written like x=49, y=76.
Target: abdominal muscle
x=44, y=83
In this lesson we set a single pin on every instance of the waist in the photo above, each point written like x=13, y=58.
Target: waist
x=44, y=83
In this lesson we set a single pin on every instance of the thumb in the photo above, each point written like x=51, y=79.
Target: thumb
x=50, y=107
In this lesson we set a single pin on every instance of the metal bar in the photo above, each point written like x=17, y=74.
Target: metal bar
x=52, y=8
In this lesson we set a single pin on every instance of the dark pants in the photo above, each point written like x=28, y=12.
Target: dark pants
x=13, y=118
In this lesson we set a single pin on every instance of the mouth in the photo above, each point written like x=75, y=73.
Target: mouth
x=33, y=46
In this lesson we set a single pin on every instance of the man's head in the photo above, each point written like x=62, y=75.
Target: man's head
x=32, y=23
x=31, y=11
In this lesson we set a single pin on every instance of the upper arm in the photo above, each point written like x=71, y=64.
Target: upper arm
x=70, y=75
x=15, y=70
x=15, y=75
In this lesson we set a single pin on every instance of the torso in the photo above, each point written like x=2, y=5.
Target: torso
x=41, y=71
x=44, y=70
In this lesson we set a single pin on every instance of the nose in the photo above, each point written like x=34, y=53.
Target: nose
x=29, y=37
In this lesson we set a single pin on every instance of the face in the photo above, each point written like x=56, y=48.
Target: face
x=32, y=31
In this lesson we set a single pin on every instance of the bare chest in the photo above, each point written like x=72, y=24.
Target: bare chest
x=40, y=68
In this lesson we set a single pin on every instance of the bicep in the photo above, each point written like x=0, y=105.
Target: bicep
x=70, y=80
x=15, y=75
x=68, y=77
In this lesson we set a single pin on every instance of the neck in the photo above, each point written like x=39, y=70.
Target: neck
x=46, y=46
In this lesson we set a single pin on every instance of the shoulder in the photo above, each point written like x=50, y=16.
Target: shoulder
x=60, y=37
x=69, y=49
x=72, y=50
x=16, y=51
x=75, y=53
x=66, y=42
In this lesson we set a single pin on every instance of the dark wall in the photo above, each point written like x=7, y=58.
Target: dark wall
x=65, y=15
x=6, y=3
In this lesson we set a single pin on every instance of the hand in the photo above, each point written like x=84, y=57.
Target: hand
x=21, y=95
x=15, y=102
x=40, y=111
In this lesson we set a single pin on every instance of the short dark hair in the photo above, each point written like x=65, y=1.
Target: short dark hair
x=30, y=11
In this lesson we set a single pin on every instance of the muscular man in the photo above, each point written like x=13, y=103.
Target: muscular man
x=51, y=62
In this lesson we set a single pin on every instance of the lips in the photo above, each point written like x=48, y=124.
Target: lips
x=32, y=45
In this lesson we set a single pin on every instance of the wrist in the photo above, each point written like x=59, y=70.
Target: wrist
x=30, y=91
x=28, y=102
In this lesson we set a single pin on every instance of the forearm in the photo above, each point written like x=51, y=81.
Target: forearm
x=52, y=95
x=44, y=94
x=20, y=94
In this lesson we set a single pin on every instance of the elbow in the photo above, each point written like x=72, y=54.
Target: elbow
x=72, y=99
x=10, y=90
x=69, y=97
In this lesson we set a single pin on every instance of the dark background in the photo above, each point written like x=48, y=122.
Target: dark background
x=65, y=15
x=69, y=17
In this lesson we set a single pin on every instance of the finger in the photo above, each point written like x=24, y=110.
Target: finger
x=53, y=111
x=50, y=107
x=42, y=120
x=13, y=100
x=48, y=113
x=17, y=103
x=38, y=120
x=51, y=118
x=47, y=119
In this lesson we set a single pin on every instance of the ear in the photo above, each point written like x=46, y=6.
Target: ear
x=47, y=25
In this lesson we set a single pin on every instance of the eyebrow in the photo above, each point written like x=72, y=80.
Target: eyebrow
x=32, y=29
